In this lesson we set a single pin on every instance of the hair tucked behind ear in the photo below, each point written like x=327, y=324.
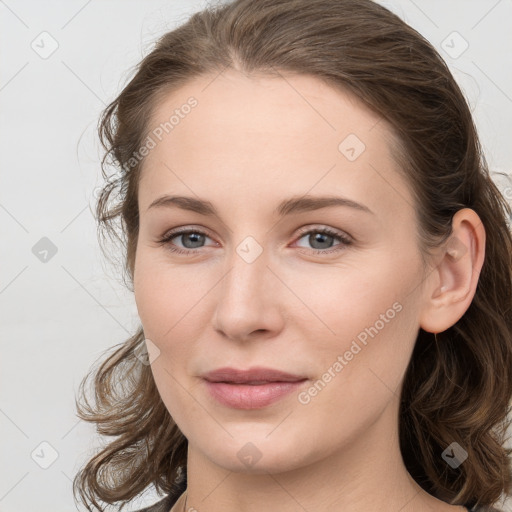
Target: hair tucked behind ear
x=457, y=388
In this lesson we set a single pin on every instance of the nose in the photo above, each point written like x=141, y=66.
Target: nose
x=249, y=302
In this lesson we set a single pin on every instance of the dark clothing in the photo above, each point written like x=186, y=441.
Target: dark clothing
x=167, y=503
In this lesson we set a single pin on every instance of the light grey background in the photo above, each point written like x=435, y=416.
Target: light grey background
x=59, y=316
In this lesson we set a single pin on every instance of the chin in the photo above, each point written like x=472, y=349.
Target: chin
x=259, y=454
x=275, y=463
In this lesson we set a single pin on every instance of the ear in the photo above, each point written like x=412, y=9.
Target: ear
x=451, y=285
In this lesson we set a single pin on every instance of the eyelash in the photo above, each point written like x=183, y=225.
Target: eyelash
x=345, y=240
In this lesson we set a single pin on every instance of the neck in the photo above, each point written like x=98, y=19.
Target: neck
x=366, y=473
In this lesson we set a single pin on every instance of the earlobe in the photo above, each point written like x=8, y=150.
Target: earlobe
x=452, y=283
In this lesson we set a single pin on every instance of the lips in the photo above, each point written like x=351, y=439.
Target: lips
x=251, y=389
x=252, y=376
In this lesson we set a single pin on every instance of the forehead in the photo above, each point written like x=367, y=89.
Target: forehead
x=299, y=107
x=272, y=136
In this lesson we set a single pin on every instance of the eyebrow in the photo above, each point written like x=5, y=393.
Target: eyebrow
x=294, y=204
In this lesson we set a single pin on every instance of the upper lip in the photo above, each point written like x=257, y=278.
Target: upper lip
x=253, y=375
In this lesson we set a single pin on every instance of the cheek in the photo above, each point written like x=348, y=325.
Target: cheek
x=165, y=296
x=367, y=316
x=343, y=301
x=165, y=300
x=359, y=371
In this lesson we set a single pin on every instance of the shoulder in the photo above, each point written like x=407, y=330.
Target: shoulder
x=163, y=505
x=178, y=487
x=483, y=508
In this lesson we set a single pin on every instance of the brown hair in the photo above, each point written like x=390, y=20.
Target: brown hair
x=458, y=385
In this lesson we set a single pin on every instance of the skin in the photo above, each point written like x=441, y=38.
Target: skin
x=251, y=142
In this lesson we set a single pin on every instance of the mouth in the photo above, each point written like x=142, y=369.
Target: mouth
x=252, y=376
x=255, y=388
x=251, y=396
x=251, y=383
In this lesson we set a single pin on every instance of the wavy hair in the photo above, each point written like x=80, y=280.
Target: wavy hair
x=458, y=384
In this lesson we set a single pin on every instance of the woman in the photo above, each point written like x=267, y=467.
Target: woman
x=322, y=269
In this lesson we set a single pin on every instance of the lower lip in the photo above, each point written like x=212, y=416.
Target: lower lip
x=246, y=396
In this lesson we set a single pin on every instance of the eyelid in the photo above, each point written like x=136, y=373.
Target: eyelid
x=322, y=227
x=302, y=231
x=182, y=230
x=344, y=238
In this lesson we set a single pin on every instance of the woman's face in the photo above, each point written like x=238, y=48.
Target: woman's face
x=260, y=285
